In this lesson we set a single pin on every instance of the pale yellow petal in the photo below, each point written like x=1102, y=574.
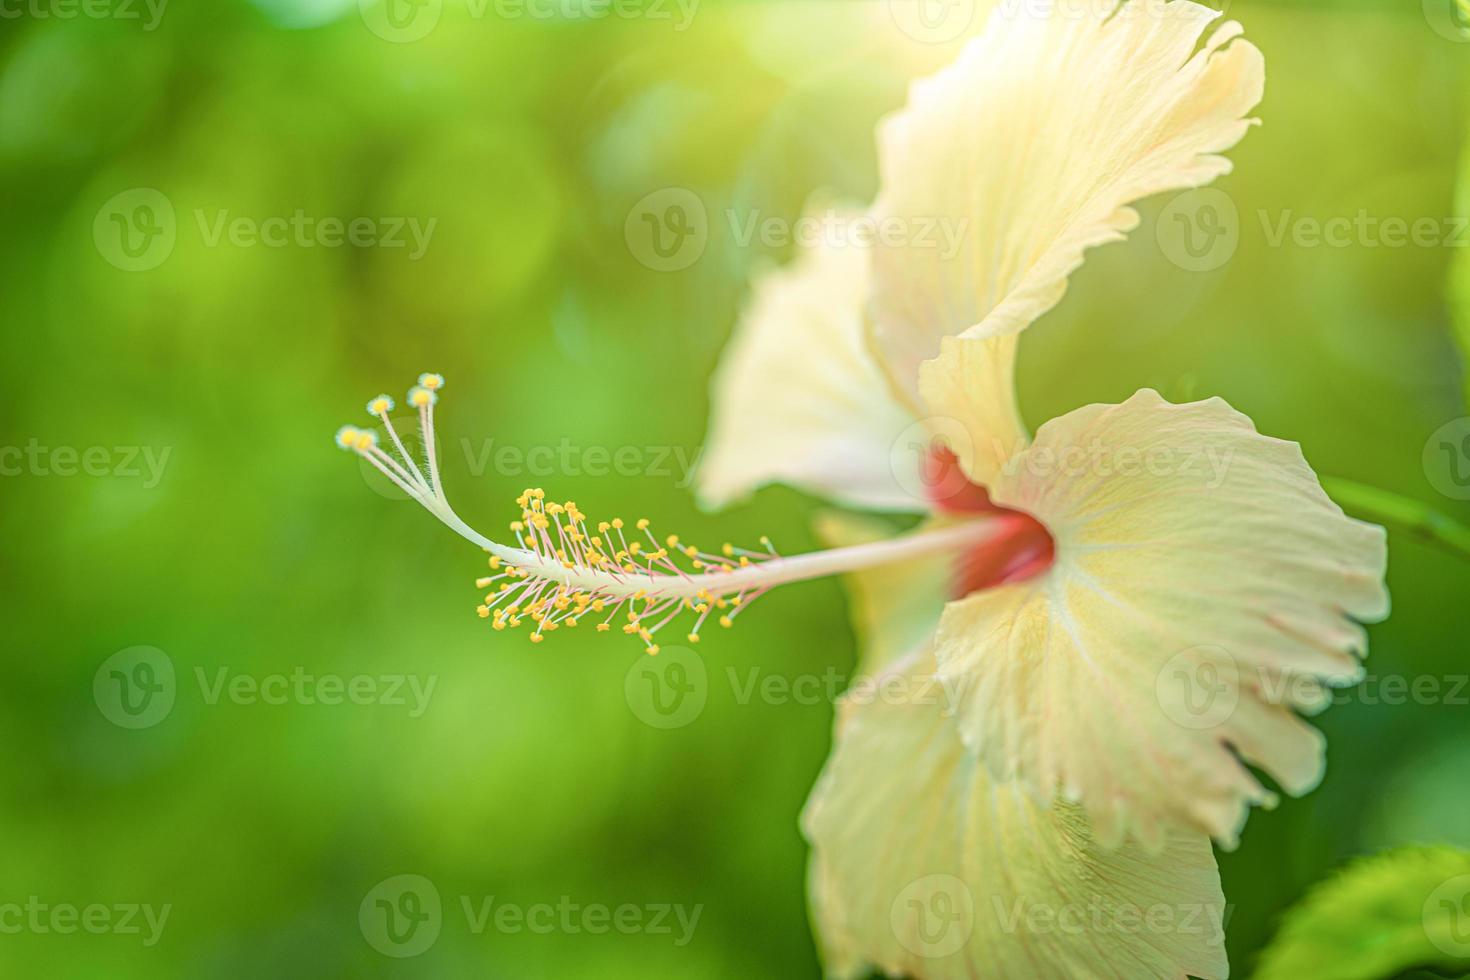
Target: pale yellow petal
x=894, y=607
x=1006, y=166
x=799, y=400
x=970, y=391
x=1205, y=590
x=924, y=866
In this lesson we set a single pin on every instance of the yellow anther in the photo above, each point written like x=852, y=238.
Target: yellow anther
x=536, y=637
x=381, y=405
x=693, y=637
x=617, y=523
x=421, y=397
x=726, y=622
x=483, y=583
x=691, y=551
x=517, y=526
x=643, y=524
x=347, y=436
x=672, y=541
x=495, y=561
x=484, y=612
x=366, y=439
x=728, y=549
x=603, y=627
x=431, y=381
x=653, y=649
x=602, y=527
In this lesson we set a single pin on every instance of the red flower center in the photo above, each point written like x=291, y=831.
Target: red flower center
x=1022, y=550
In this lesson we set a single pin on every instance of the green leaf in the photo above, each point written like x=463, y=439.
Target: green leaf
x=1377, y=918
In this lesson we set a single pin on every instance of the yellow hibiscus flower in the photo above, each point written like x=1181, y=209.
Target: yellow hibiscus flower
x=1075, y=659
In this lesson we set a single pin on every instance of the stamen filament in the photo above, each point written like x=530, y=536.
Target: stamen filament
x=555, y=582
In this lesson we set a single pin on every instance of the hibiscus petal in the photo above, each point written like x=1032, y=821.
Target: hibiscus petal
x=1205, y=589
x=1004, y=167
x=923, y=865
x=972, y=388
x=798, y=398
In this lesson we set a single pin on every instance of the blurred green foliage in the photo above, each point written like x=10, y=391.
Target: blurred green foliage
x=1405, y=908
x=528, y=141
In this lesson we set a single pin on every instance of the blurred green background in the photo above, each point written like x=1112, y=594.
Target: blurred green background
x=530, y=137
